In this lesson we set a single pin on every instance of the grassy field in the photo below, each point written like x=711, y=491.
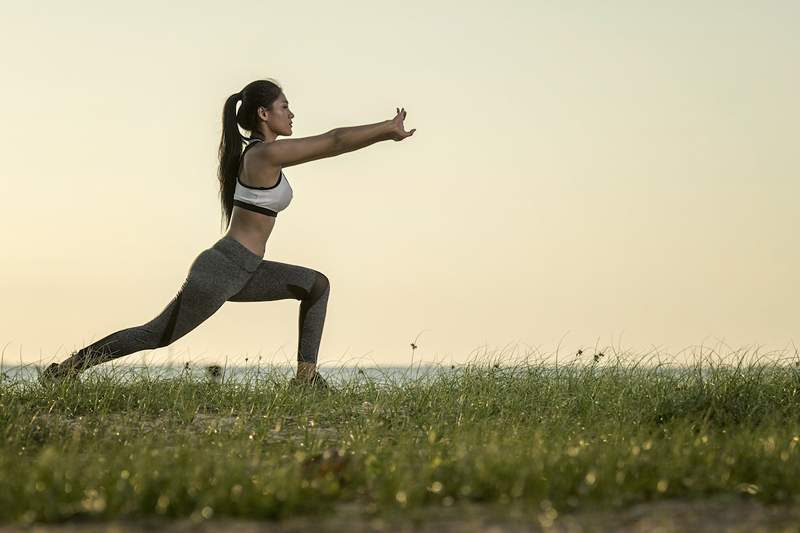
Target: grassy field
x=598, y=433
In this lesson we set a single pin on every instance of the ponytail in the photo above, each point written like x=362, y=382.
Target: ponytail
x=230, y=152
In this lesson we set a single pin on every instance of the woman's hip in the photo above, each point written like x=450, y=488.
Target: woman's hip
x=237, y=253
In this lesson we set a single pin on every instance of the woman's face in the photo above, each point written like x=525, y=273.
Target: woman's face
x=279, y=118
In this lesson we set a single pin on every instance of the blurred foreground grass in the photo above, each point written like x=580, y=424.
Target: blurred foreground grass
x=552, y=438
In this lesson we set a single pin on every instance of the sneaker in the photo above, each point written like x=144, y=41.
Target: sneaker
x=316, y=381
x=56, y=374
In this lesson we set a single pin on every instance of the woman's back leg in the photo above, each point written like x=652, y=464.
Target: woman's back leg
x=212, y=279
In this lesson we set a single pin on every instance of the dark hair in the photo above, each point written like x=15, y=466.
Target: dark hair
x=260, y=93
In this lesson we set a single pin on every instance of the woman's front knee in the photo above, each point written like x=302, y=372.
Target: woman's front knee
x=321, y=285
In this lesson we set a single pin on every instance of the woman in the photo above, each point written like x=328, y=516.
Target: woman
x=253, y=189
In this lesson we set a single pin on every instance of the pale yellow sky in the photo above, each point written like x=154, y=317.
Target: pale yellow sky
x=620, y=174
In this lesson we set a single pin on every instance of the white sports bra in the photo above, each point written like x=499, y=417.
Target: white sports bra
x=265, y=200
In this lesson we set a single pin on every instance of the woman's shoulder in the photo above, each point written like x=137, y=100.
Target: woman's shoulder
x=257, y=170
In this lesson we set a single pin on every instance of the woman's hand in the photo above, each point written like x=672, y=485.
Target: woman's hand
x=398, y=132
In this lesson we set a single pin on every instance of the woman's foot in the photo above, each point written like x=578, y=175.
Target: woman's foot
x=56, y=373
x=316, y=381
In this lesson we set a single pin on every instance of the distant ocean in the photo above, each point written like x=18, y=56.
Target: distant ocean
x=334, y=374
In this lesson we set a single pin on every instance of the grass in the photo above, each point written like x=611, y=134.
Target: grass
x=553, y=438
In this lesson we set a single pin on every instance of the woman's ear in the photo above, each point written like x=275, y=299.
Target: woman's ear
x=263, y=113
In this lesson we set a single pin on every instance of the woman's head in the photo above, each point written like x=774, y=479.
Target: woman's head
x=264, y=113
x=264, y=110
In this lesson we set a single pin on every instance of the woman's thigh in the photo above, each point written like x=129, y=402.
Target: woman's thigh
x=274, y=280
x=212, y=279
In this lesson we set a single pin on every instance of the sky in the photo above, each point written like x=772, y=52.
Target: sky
x=619, y=176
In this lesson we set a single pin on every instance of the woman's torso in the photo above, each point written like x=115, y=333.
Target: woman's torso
x=251, y=228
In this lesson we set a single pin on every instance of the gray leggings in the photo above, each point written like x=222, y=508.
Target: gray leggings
x=228, y=271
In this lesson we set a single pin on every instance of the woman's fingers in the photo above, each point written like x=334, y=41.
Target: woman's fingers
x=401, y=112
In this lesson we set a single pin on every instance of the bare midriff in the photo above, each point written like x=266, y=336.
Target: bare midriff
x=251, y=229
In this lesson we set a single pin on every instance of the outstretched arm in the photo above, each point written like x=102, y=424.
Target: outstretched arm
x=355, y=137
x=288, y=152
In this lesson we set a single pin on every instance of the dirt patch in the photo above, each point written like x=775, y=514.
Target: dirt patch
x=728, y=515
